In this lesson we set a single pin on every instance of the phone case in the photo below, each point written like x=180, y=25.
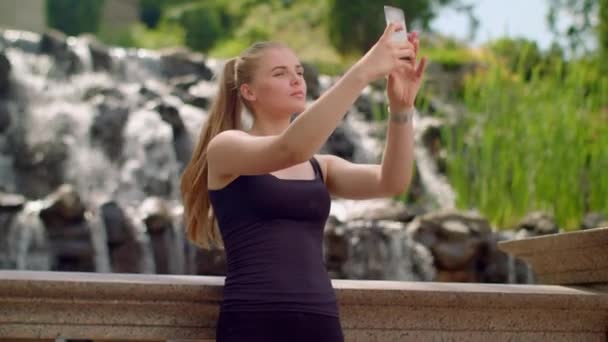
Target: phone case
x=396, y=15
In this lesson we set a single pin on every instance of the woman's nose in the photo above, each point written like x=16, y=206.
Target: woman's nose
x=295, y=78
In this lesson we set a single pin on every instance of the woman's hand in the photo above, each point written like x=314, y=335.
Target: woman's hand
x=404, y=83
x=386, y=56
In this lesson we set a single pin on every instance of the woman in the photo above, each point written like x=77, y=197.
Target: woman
x=270, y=192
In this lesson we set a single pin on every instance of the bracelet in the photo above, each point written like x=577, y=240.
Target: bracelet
x=402, y=117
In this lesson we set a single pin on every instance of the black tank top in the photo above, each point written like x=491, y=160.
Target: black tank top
x=272, y=230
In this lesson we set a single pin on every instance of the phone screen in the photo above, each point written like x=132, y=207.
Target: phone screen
x=396, y=15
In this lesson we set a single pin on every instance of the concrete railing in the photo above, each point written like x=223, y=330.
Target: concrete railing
x=48, y=305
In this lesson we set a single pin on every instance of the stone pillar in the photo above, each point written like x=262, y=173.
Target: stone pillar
x=576, y=258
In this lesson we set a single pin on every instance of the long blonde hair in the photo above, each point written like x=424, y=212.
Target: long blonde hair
x=225, y=114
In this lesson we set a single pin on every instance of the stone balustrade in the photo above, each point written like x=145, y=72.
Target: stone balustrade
x=98, y=306
x=574, y=258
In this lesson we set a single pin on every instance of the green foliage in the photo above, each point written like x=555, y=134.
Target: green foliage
x=446, y=52
x=603, y=33
x=355, y=25
x=74, y=17
x=300, y=25
x=540, y=144
x=202, y=25
x=166, y=34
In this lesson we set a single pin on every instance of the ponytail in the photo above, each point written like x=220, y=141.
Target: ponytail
x=225, y=114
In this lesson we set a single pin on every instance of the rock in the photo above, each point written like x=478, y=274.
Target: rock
x=184, y=82
x=67, y=228
x=54, y=43
x=5, y=118
x=193, y=100
x=200, y=95
x=5, y=72
x=105, y=92
x=157, y=217
x=182, y=62
x=537, y=223
x=455, y=256
x=126, y=251
x=147, y=93
x=11, y=202
x=594, y=220
x=100, y=54
x=339, y=143
x=455, y=239
x=375, y=250
x=63, y=207
x=496, y=266
x=458, y=276
x=39, y=167
x=169, y=113
x=415, y=192
x=369, y=102
x=372, y=209
x=182, y=142
x=107, y=128
x=364, y=106
x=156, y=214
x=311, y=77
x=432, y=140
x=118, y=227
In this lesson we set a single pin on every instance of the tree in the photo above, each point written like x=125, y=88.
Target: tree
x=603, y=31
x=355, y=25
x=585, y=19
x=203, y=26
x=150, y=11
x=74, y=17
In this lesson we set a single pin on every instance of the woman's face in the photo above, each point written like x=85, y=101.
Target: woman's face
x=278, y=86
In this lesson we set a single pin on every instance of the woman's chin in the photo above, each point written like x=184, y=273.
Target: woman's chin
x=300, y=107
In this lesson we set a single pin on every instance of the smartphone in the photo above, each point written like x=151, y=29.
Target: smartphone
x=396, y=15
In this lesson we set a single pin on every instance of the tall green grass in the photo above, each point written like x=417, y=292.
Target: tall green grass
x=539, y=143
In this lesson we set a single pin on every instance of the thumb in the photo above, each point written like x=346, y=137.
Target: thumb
x=388, y=31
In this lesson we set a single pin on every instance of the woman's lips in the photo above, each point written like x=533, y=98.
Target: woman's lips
x=298, y=94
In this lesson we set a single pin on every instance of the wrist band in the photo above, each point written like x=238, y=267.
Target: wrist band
x=402, y=117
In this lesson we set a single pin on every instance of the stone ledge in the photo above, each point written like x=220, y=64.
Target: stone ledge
x=579, y=257
x=165, y=307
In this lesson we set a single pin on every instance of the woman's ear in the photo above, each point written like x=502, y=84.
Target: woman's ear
x=247, y=92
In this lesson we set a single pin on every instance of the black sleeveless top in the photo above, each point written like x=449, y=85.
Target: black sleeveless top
x=272, y=230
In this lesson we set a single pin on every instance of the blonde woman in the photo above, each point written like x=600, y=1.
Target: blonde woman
x=269, y=193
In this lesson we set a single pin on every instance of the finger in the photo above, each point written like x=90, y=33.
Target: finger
x=416, y=45
x=404, y=45
x=406, y=54
x=411, y=37
x=405, y=66
x=421, y=67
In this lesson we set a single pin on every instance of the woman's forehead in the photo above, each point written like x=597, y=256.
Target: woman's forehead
x=279, y=57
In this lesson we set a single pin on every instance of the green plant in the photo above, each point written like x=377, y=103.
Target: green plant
x=536, y=144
